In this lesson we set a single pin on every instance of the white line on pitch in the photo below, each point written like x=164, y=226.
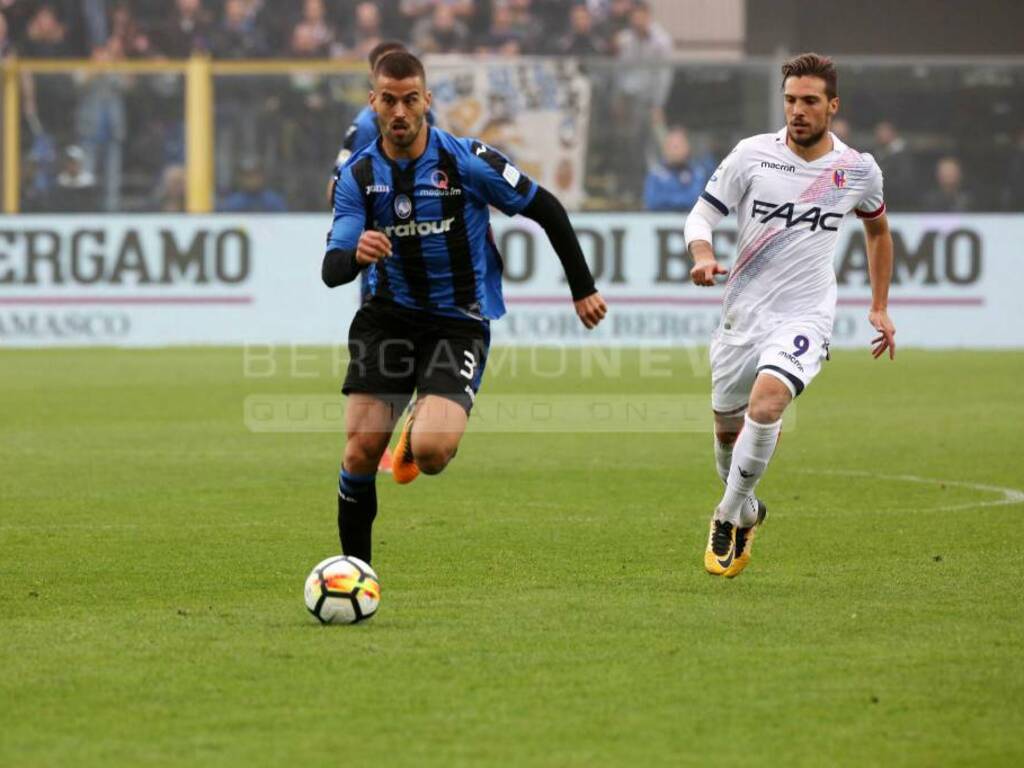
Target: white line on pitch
x=1010, y=495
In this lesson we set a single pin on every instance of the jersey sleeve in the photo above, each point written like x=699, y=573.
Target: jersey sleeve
x=349, y=213
x=495, y=180
x=872, y=203
x=348, y=147
x=728, y=183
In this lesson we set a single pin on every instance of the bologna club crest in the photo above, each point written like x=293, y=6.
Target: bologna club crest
x=839, y=177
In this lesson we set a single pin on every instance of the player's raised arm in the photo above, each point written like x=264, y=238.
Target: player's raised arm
x=724, y=190
x=349, y=247
x=508, y=189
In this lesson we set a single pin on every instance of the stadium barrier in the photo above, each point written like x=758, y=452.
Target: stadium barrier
x=247, y=280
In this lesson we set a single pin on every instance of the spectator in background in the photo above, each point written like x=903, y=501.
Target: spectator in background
x=76, y=185
x=237, y=36
x=134, y=41
x=615, y=21
x=417, y=10
x=949, y=194
x=640, y=90
x=187, y=32
x=502, y=37
x=94, y=21
x=367, y=32
x=46, y=100
x=240, y=100
x=102, y=123
x=527, y=26
x=581, y=40
x=675, y=183
x=902, y=182
x=314, y=30
x=253, y=195
x=441, y=32
x=46, y=36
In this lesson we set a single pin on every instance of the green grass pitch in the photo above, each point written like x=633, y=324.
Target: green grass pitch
x=544, y=600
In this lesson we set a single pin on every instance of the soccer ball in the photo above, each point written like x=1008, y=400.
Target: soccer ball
x=342, y=590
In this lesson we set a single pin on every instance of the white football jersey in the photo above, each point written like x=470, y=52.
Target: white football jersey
x=789, y=214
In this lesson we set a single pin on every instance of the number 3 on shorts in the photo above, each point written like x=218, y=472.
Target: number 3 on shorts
x=470, y=364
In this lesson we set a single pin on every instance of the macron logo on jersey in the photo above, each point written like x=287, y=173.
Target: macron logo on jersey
x=788, y=213
x=418, y=229
x=778, y=166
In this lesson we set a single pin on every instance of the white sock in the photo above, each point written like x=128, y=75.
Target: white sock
x=751, y=455
x=748, y=512
x=723, y=459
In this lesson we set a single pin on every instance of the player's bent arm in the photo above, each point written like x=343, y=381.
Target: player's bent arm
x=340, y=267
x=697, y=232
x=699, y=223
x=341, y=264
x=547, y=211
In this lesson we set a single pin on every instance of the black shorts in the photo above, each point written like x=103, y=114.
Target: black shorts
x=394, y=350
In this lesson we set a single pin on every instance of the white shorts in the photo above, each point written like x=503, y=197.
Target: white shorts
x=792, y=353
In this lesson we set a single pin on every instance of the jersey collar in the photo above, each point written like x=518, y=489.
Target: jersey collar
x=407, y=164
x=838, y=147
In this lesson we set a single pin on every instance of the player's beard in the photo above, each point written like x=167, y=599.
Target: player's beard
x=810, y=140
x=412, y=132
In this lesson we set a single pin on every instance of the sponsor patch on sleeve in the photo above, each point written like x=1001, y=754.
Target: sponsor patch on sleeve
x=511, y=174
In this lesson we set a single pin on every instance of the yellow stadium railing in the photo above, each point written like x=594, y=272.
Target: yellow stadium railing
x=199, y=73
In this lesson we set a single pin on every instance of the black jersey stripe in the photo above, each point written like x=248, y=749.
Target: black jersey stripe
x=797, y=384
x=410, y=249
x=499, y=163
x=362, y=172
x=722, y=208
x=460, y=258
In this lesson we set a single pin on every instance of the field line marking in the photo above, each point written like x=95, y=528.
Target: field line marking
x=1009, y=495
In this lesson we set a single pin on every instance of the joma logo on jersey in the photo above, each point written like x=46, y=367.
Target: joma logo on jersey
x=418, y=228
x=765, y=212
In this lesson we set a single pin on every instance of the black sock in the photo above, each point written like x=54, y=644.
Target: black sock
x=357, y=507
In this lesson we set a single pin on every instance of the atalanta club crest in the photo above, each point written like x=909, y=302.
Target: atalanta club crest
x=839, y=177
x=403, y=207
x=439, y=179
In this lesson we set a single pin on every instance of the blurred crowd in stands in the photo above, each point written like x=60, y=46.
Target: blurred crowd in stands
x=245, y=29
x=276, y=135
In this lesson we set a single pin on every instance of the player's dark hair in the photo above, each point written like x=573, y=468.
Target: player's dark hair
x=813, y=65
x=399, y=65
x=382, y=49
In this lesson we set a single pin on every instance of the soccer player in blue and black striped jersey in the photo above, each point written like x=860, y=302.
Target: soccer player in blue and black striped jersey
x=361, y=132
x=412, y=208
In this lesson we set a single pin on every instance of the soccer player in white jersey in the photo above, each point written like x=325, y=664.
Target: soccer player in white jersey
x=791, y=191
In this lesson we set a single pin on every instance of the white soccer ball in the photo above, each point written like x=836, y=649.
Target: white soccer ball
x=342, y=590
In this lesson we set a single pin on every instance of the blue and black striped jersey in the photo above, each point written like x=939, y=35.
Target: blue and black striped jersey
x=435, y=211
